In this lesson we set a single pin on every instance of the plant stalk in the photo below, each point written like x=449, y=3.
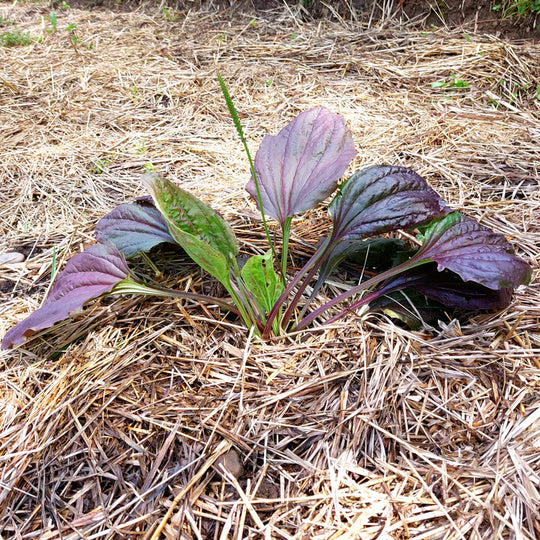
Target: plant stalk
x=240, y=131
x=315, y=258
x=375, y=280
x=131, y=286
x=285, y=248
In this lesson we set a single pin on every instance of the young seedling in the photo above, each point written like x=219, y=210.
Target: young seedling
x=460, y=263
x=15, y=38
x=454, y=82
x=167, y=13
x=53, y=20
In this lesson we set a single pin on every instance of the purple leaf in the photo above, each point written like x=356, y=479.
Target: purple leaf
x=133, y=228
x=461, y=245
x=380, y=199
x=449, y=289
x=87, y=275
x=474, y=252
x=300, y=166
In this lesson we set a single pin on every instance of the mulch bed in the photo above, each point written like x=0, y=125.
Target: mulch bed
x=149, y=418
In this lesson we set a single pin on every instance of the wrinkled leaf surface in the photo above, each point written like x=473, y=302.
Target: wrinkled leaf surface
x=474, y=252
x=380, y=199
x=203, y=234
x=189, y=214
x=87, y=275
x=300, y=166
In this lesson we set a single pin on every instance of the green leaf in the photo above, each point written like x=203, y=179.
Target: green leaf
x=204, y=255
x=261, y=280
x=203, y=234
x=53, y=19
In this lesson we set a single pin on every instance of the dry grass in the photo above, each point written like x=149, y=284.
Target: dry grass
x=359, y=430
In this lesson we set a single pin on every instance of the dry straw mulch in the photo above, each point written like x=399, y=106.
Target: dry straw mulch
x=148, y=417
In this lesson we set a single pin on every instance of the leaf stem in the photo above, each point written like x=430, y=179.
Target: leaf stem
x=285, y=248
x=298, y=294
x=315, y=258
x=375, y=280
x=130, y=286
x=247, y=306
x=373, y=295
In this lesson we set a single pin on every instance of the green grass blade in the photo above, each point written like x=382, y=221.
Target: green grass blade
x=238, y=126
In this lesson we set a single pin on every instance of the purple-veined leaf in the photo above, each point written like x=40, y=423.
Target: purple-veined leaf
x=449, y=289
x=456, y=243
x=300, y=166
x=380, y=199
x=87, y=275
x=474, y=252
x=373, y=201
x=133, y=228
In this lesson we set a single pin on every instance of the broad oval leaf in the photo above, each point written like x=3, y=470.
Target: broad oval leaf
x=189, y=214
x=474, y=252
x=300, y=166
x=87, y=275
x=204, y=235
x=260, y=278
x=380, y=199
x=133, y=228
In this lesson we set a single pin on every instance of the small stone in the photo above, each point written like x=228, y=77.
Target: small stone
x=231, y=461
x=11, y=258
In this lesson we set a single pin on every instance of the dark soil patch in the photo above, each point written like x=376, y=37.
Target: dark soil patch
x=6, y=286
x=28, y=249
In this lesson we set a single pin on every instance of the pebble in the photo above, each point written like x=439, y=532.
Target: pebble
x=11, y=258
x=231, y=461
